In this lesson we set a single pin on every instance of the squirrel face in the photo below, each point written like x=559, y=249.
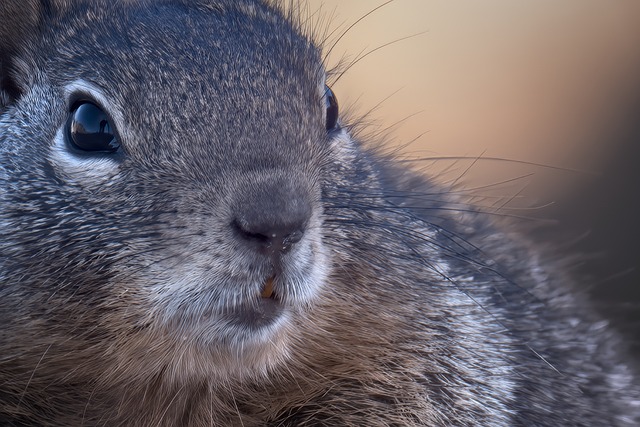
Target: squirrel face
x=165, y=177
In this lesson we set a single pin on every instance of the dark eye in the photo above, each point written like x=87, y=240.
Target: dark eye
x=90, y=129
x=331, y=103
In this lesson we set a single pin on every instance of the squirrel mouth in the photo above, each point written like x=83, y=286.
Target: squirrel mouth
x=267, y=290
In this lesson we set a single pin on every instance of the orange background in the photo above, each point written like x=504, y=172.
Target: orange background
x=541, y=81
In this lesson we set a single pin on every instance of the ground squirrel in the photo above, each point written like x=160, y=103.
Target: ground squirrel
x=191, y=235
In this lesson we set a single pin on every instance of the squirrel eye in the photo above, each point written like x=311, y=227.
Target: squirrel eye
x=331, y=103
x=89, y=129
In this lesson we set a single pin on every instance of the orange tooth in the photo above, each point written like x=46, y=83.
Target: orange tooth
x=267, y=291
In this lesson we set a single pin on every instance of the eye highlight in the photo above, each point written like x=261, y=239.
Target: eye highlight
x=331, y=105
x=90, y=129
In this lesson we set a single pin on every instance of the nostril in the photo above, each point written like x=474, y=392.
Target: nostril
x=290, y=239
x=270, y=239
x=244, y=231
x=294, y=237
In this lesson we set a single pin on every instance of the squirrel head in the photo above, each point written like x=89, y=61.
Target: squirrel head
x=163, y=169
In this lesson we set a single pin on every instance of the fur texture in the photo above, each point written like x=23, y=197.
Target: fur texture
x=133, y=284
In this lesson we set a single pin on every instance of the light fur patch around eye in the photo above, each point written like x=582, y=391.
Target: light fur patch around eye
x=85, y=170
x=92, y=92
x=341, y=141
x=322, y=88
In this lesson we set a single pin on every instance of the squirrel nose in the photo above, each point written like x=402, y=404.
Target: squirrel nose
x=271, y=217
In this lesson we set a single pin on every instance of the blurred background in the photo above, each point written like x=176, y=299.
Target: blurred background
x=552, y=87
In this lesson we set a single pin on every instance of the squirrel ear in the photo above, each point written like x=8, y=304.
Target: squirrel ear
x=19, y=20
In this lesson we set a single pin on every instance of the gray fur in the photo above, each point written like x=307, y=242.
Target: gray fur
x=129, y=297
